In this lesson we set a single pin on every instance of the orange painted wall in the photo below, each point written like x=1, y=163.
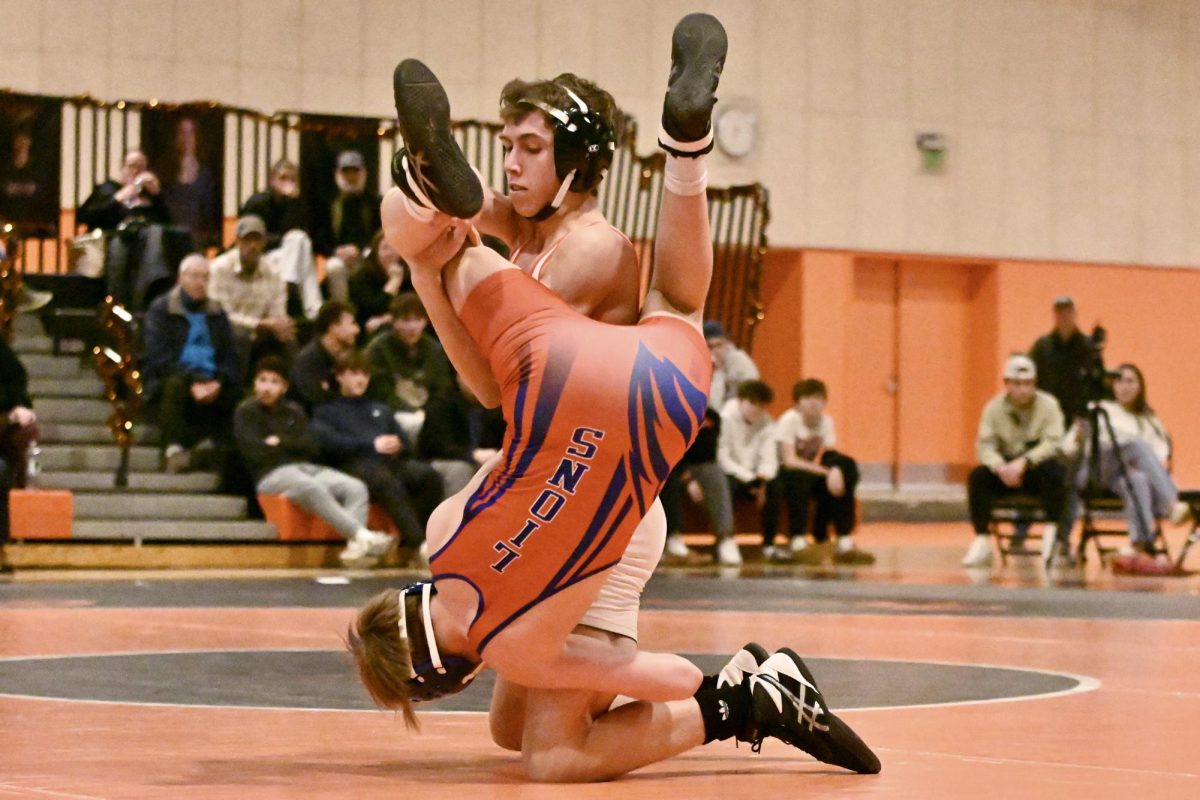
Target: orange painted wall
x=870, y=369
x=826, y=316
x=1153, y=319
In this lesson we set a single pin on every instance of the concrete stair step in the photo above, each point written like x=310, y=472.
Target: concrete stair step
x=164, y=506
x=27, y=325
x=138, y=481
x=63, y=410
x=54, y=432
x=70, y=433
x=174, y=530
x=41, y=387
x=79, y=457
x=40, y=344
x=49, y=366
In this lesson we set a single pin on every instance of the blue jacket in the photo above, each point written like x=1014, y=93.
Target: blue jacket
x=347, y=427
x=165, y=334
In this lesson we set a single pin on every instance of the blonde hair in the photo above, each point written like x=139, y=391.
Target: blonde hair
x=382, y=656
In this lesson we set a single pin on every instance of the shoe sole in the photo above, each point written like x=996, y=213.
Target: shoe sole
x=698, y=49
x=423, y=114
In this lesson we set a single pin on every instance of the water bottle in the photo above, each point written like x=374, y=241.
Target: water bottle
x=32, y=467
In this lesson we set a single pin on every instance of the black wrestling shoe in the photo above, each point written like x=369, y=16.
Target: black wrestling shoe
x=745, y=663
x=698, y=49
x=786, y=705
x=431, y=169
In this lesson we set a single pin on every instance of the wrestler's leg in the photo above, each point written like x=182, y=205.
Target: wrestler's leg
x=613, y=617
x=562, y=743
x=683, y=244
x=408, y=228
x=537, y=651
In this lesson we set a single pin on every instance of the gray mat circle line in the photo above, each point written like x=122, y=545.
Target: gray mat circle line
x=1082, y=683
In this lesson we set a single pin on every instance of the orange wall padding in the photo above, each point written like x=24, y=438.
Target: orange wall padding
x=942, y=327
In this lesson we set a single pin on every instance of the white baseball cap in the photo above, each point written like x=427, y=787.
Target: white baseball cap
x=1020, y=367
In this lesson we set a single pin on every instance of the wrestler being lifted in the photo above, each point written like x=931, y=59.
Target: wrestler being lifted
x=598, y=414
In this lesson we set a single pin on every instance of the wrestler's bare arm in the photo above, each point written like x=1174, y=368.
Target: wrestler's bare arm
x=460, y=348
x=595, y=270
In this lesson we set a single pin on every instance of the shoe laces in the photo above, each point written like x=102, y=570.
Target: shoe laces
x=807, y=714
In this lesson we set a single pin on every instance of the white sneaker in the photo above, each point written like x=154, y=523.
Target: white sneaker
x=979, y=554
x=728, y=553
x=799, y=543
x=1049, y=537
x=1181, y=512
x=376, y=543
x=676, y=546
x=356, y=556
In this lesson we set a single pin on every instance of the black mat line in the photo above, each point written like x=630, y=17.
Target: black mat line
x=665, y=592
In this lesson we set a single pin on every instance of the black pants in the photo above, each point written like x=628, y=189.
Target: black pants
x=796, y=488
x=1047, y=480
x=185, y=422
x=5, y=485
x=408, y=490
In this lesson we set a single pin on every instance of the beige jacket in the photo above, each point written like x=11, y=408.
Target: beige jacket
x=1006, y=432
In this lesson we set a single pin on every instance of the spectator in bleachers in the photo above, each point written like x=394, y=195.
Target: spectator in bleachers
x=314, y=378
x=190, y=190
x=1019, y=444
x=699, y=477
x=288, y=243
x=1063, y=357
x=731, y=365
x=1145, y=448
x=136, y=195
x=133, y=213
x=360, y=436
x=380, y=278
x=747, y=454
x=459, y=435
x=346, y=224
x=253, y=295
x=408, y=365
x=190, y=367
x=18, y=433
x=279, y=449
x=810, y=467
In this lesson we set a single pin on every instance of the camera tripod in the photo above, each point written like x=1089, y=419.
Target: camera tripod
x=1094, y=488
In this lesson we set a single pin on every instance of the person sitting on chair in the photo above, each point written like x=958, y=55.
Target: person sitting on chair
x=811, y=467
x=135, y=212
x=1149, y=494
x=1020, y=433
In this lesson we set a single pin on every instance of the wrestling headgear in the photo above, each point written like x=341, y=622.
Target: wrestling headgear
x=430, y=676
x=584, y=143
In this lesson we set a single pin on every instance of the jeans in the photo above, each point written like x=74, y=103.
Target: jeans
x=185, y=422
x=1149, y=482
x=337, y=498
x=408, y=490
x=718, y=503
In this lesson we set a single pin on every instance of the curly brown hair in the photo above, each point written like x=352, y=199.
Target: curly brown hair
x=382, y=656
x=519, y=97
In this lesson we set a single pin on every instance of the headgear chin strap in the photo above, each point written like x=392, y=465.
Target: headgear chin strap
x=584, y=144
x=430, y=677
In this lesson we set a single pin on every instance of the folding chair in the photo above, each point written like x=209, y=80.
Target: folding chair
x=1192, y=498
x=1104, y=515
x=1009, y=512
